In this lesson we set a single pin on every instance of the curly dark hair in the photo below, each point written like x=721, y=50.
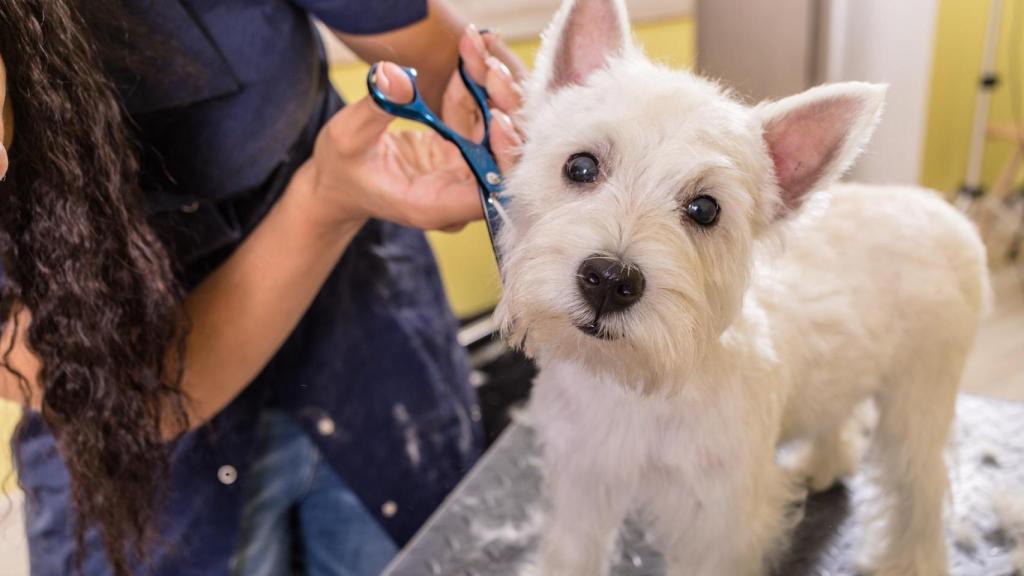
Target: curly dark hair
x=106, y=317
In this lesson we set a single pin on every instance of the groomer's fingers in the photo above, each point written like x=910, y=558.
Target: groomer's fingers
x=441, y=200
x=492, y=69
x=455, y=228
x=459, y=209
x=459, y=110
x=473, y=50
x=359, y=125
x=3, y=161
x=505, y=141
x=502, y=87
x=508, y=72
x=497, y=48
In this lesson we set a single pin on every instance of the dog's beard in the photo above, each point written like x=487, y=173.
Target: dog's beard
x=649, y=349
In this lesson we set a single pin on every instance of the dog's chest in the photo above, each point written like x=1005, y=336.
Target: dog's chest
x=580, y=416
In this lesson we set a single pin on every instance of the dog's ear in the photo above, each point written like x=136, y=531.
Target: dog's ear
x=581, y=38
x=815, y=136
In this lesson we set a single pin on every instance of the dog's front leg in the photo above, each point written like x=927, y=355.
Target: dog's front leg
x=586, y=512
x=730, y=524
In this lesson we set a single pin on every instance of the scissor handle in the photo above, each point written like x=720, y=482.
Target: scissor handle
x=480, y=97
x=478, y=155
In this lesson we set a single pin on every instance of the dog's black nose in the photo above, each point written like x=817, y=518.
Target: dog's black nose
x=608, y=284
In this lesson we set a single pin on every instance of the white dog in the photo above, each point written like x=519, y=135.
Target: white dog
x=693, y=302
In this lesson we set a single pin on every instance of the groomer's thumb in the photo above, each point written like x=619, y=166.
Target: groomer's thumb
x=360, y=124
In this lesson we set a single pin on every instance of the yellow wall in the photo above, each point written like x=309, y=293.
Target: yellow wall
x=959, y=41
x=465, y=258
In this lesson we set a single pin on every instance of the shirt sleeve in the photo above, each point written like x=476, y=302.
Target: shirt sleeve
x=366, y=17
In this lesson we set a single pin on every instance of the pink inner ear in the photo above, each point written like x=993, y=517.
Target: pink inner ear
x=592, y=33
x=804, y=144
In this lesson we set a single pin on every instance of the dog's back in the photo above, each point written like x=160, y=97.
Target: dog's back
x=871, y=281
x=878, y=294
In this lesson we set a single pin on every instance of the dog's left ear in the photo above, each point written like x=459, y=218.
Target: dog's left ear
x=582, y=37
x=815, y=136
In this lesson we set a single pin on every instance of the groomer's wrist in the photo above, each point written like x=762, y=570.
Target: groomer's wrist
x=321, y=215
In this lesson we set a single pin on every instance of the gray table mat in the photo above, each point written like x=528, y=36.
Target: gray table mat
x=491, y=524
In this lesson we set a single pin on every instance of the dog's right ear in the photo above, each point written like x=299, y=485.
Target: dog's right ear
x=583, y=36
x=815, y=136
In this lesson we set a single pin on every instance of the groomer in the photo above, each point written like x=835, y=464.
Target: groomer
x=358, y=423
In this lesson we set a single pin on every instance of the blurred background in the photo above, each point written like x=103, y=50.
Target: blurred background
x=953, y=123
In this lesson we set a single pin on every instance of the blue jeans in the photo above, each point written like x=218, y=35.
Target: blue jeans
x=299, y=515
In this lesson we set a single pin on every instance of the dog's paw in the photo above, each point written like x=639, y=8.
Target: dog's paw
x=826, y=466
x=822, y=480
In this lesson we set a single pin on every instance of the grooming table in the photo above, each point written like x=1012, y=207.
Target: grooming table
x=490, y=525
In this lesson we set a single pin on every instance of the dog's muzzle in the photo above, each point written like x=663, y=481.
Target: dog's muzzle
x=608, y=285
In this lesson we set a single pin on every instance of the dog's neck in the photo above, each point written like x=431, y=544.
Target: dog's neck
x=709, y=372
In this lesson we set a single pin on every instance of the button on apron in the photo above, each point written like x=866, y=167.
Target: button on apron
x=325, y=426
x=227, y=474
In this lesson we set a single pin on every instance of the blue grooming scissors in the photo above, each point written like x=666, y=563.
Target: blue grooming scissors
x=478, y=156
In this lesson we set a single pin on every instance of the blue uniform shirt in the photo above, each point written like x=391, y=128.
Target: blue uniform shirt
x=372, y=367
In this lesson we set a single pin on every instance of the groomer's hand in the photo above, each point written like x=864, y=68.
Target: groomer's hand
x=359, y=170
x=492, y=65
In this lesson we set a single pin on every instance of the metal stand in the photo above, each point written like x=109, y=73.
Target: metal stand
x=972, y=188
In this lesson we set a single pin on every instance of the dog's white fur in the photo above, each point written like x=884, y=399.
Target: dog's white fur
x=771, y=325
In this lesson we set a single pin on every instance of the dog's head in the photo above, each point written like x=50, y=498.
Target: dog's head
x=641, y=195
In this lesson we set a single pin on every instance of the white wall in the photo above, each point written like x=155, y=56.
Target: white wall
x=887, y=41
x=761, y=48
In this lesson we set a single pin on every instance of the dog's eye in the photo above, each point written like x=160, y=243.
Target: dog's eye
x=703, y=210
x=582, y=168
